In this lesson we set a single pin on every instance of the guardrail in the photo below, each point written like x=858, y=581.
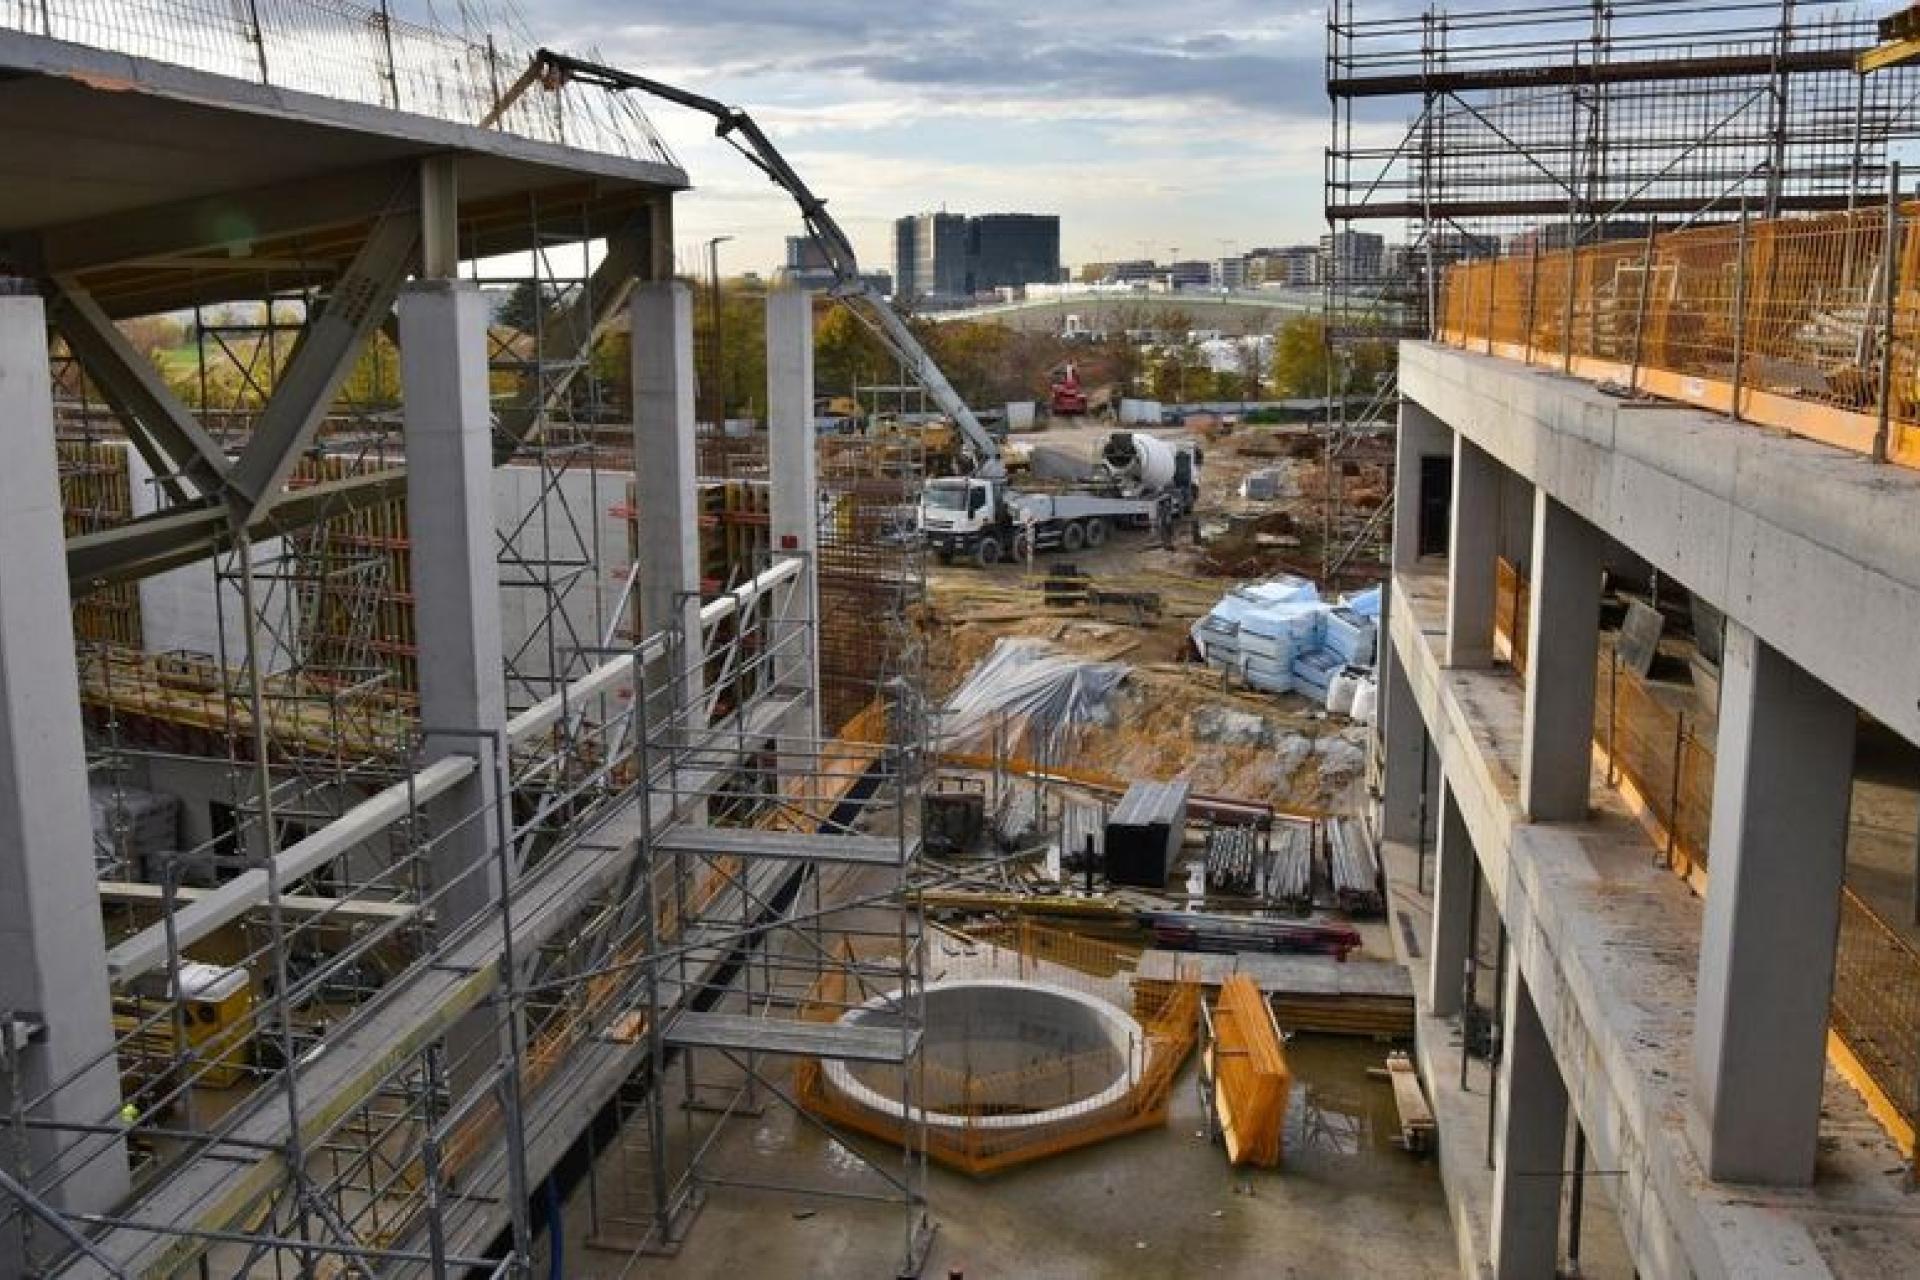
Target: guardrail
x=1811, y=325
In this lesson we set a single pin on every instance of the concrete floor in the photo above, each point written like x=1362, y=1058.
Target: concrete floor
x=1160, y=1203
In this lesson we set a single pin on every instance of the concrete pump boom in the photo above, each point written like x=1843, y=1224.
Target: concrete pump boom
x=739, y=129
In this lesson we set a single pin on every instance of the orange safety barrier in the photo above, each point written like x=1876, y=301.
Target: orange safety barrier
x=1787, y=323
x=1251, y=1081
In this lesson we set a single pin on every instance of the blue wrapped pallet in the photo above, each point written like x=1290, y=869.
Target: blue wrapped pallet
x=1314, y=670
x=1351, y=636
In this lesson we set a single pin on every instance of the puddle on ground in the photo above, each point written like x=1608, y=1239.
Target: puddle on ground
x=1340, y=1119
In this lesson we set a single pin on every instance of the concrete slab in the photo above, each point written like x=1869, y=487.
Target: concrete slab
x=1809, y=545
x=1608, y=941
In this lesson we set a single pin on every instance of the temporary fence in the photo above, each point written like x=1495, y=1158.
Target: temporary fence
x=1807, y=324
x=987, y=1120
x=1656, y=754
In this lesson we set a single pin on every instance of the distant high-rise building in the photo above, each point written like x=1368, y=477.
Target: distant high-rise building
x=1132, y=271
x=930, y=257
x=1187, y=274
x=805, y=254
x=1012, y=250
x=1229, y=273
x=1294, y=266
x=945, y=257
x=1352, y=256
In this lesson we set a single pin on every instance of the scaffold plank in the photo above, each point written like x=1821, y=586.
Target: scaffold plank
x=741, y=1033
x=755, y=842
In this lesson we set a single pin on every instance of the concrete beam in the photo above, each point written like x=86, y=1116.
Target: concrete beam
x=1530, y=1142
x=664, y=473
x=1563, y=648
x=230, y=222
x=1421, y=435
x=1473, y=547
x=1782, y=784
x=1809, y=545
x=50, y=931
x=456, y=583
x=1456, y=880
x=1401, y=807
x=795, y=498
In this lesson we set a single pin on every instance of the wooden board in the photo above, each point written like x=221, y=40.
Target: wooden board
x=1416, y=1117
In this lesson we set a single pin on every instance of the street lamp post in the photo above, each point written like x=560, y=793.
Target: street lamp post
x=717, y=404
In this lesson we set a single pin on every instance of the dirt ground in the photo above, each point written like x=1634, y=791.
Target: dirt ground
x=1173, y=717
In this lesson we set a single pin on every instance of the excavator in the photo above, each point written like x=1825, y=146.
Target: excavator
x=977, y=515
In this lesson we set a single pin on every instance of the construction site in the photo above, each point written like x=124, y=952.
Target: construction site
x=472, y=803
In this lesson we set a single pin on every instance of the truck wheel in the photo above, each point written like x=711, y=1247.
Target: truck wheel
x=988, y=552
x=1073, y=537
x=1096, y=531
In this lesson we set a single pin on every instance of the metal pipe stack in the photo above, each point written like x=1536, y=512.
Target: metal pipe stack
x=1290, y=874
x=1233, y=860
x=1353, y=869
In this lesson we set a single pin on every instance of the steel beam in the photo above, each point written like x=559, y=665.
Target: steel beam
x=164, y=430
x=327, y=349
x=169, y=539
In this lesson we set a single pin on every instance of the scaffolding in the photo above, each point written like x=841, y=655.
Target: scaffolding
x=807, y=889
x=1560, y=127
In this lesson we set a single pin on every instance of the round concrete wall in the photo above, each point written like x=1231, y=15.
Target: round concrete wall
x=1004, y=1055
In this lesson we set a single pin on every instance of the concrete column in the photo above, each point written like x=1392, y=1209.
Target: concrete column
x=1473, y=548
x=1530, y=1142
x=665, y=485
x=1404, y=733
x=54, y=973
x=1455, y=881
x=456, y=582
x=1563, y=643
x=1420, y=435
x=795, y=514
x=1776, y=857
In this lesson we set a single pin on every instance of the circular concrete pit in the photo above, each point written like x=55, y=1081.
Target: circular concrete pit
x=1001, y=1054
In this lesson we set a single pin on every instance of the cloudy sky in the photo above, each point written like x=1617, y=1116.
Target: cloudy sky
x=1147, y=126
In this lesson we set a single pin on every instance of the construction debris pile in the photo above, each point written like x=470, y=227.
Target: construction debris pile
x=1279, y=637
x=1032, y=694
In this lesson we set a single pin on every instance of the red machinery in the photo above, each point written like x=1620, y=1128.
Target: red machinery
x=1068, y=398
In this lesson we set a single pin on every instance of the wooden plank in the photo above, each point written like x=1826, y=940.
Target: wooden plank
x=1416, y=1117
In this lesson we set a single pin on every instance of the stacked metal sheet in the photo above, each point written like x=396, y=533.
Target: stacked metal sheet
x=1144, y=833
x=1353, y=869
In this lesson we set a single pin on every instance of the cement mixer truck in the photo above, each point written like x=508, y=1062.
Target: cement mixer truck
x=1140, y=481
